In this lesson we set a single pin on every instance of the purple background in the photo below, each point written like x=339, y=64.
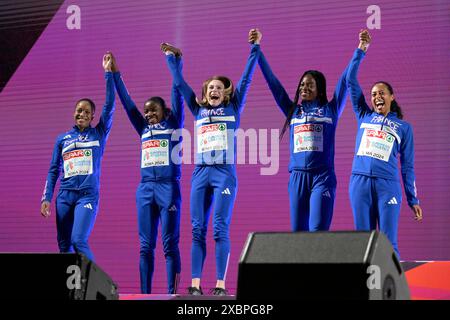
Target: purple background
x=410, y=51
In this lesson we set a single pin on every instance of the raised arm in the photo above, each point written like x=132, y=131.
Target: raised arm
x=279, y=93
x=340, y=93
x=240, y=93
x=359, y=104
x=176, y=97
x=52, y=178
x=407, y=168
x=105, y=122
x=136, y=118
x=172, y=55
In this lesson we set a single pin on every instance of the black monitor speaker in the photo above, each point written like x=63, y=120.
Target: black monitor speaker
x=320, y=265
x=60, y=276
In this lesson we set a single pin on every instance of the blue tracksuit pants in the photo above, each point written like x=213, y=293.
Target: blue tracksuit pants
x=75, y=217
x=159, y=201
x=218, y=183
x=311, y=198
x=376, y=201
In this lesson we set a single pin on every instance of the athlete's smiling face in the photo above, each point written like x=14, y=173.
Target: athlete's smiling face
x=308, y=88
x=215, y=93
x=381, y=98
x=83, y=114
x=153, y=112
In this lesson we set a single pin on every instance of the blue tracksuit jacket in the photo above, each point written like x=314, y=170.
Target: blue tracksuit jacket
x=77, y=155
x=381, y=140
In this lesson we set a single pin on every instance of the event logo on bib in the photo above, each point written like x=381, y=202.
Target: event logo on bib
x=308, y=137
x=77, y=162
x=155, y=153
x=212, y=137
x=376, y=144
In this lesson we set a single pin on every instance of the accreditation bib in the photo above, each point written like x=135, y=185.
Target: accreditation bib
x=212, y=137
x=155, y=153
x=77, y=163
x=308, y=137
x=376, y=144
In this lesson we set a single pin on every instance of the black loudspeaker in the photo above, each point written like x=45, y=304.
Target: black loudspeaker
x=320, y=265
x=60, y=276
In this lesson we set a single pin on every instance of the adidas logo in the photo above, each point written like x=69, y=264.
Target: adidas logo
x=173, y=208
x=393, y=201
x=67, y=136
x=226, y=191
x=326, y=194
x=89, y=206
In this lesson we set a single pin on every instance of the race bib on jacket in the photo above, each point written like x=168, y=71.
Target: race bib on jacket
x=212, y=137
x=308, y=137
x=77, y=163
x=376, y=144
x=155, y=153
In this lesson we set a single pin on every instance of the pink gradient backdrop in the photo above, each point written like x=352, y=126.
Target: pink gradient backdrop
x=411, y=50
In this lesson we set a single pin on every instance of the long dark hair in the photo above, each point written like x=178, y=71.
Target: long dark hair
x=394, y=105
x=321, y=84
